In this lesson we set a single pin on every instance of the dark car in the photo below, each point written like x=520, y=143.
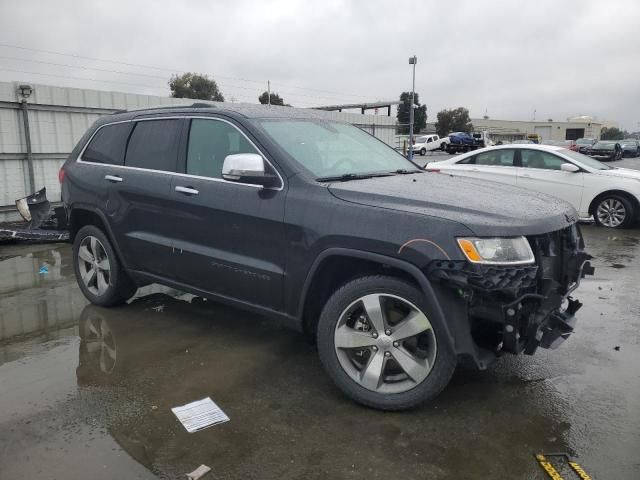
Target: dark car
x=399, y=274
x=462, y=138
x=605, y=150
x=630, y=147
x=585, y=144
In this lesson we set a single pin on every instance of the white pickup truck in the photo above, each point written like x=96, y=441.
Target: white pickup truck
x=427, y=143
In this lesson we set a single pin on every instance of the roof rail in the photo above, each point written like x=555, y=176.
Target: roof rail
x=202, y=105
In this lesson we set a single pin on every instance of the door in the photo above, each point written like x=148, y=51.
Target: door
x=544, y=132
x=540, y=171
x=496, y=165
x=230, y=237
x=140, y=194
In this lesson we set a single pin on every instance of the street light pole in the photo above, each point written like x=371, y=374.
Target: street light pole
x=25, y=91
x=412, y=61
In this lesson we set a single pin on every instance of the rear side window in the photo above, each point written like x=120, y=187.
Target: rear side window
x=154, y=145
x=210, y=141
x=108, y=144
x=500, y=158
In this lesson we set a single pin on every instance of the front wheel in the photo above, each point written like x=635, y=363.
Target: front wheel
x=443, y=146
x=380, y=345
x=423, y=152
x=99, y=273
x=614, y=211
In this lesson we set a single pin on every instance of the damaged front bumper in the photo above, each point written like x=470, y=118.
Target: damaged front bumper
x=517, y=309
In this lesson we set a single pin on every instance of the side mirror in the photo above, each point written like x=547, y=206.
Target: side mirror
x=569, y=167
x=248, y=168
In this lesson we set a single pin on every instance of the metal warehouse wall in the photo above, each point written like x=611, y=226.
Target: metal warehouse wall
x=59, y=116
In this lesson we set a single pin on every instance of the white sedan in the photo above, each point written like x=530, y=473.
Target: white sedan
x=608, y=194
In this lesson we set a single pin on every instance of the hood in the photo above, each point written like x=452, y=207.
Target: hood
x=486, y=208
x=621, y=172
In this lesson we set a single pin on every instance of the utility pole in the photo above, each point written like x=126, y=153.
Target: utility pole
x=268, y=92
x=25, y=91
x=412, y=61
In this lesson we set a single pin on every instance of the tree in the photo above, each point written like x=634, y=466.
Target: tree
x=455, y=120
x=403, y=116
x=194, y=85
x=612, y=133
x=275, y=99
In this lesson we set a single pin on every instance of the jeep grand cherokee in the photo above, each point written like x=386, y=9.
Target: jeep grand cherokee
x=399, y=274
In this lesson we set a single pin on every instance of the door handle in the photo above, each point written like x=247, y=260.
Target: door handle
x=187, y=190
x=113, y=178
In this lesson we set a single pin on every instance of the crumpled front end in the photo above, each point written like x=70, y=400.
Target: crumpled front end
x=519, y=308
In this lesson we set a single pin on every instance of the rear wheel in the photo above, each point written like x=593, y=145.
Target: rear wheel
x=614, y=211
x=98, y=271
x=382, y=348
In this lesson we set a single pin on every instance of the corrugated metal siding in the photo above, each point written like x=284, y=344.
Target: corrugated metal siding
x=54, y=132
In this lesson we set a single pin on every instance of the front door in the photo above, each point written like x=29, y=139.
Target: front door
x=540, y=171
x=229, y=237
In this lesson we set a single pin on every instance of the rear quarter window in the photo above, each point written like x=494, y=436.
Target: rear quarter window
x=108, y=144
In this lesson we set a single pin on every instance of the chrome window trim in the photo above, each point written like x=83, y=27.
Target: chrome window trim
x=174, y=117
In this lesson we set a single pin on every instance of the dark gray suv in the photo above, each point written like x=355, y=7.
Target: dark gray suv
x=400, y=274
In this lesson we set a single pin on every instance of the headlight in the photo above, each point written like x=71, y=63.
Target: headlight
x=497, y=251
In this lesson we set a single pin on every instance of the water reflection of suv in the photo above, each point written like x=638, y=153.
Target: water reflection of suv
x=400, y=274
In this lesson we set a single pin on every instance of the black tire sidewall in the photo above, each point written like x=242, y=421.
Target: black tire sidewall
x=423, y=151
x=441, y=371
x=629, y=219
x=120, y=288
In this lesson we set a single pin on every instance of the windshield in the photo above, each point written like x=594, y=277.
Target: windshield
x=584, y=141
x=603, y=145
x=328, y=149
x=585, y=160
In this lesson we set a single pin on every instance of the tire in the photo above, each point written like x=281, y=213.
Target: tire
x=443, y=146
x=103, y=281
x=607, y=212
x=423, y=152
x=428, y=354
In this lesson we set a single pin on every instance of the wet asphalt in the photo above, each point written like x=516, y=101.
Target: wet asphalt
x=86, y=392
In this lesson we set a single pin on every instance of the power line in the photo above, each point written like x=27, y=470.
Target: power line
x=173, y=70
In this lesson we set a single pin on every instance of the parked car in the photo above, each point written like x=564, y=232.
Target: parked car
x=428, y=143
x=397, y=273
x=585, y=144
x=461, y=142
x=630, y=147
x=605, y=150
x=611, y=196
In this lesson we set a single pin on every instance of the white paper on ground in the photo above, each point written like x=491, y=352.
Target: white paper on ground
x=199, y=472
x=199, y=415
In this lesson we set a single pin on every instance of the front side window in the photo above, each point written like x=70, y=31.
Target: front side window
x=154, y=145
x=543, y=160
x=327, y=149
x=429, y=140
x=210, y=141
x=108, y=144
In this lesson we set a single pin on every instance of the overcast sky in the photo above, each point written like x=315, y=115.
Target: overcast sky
x=560, y=58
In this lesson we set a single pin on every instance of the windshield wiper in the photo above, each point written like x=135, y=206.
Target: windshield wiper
x=404, y=171
x=351, y=176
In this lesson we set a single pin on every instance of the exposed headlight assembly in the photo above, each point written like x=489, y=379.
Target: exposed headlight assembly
x=497, y=251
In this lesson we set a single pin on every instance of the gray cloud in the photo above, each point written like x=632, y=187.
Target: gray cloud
x=559, y=58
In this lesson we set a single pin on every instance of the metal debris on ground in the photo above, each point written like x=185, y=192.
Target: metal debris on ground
x=199, y=415
x=199, y=472
x=158, y=308
x=548, y=467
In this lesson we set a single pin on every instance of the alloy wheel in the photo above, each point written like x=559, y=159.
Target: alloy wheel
x=385, y=343
x=611, y=212
x=94, y=265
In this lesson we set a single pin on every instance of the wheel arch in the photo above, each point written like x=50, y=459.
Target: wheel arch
x=81, y=215
x=333, y=267
x=632, y=198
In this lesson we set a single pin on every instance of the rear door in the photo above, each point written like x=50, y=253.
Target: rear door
x=139, y=198
x=540, y=171
x=496, y=165
x=230, y=238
